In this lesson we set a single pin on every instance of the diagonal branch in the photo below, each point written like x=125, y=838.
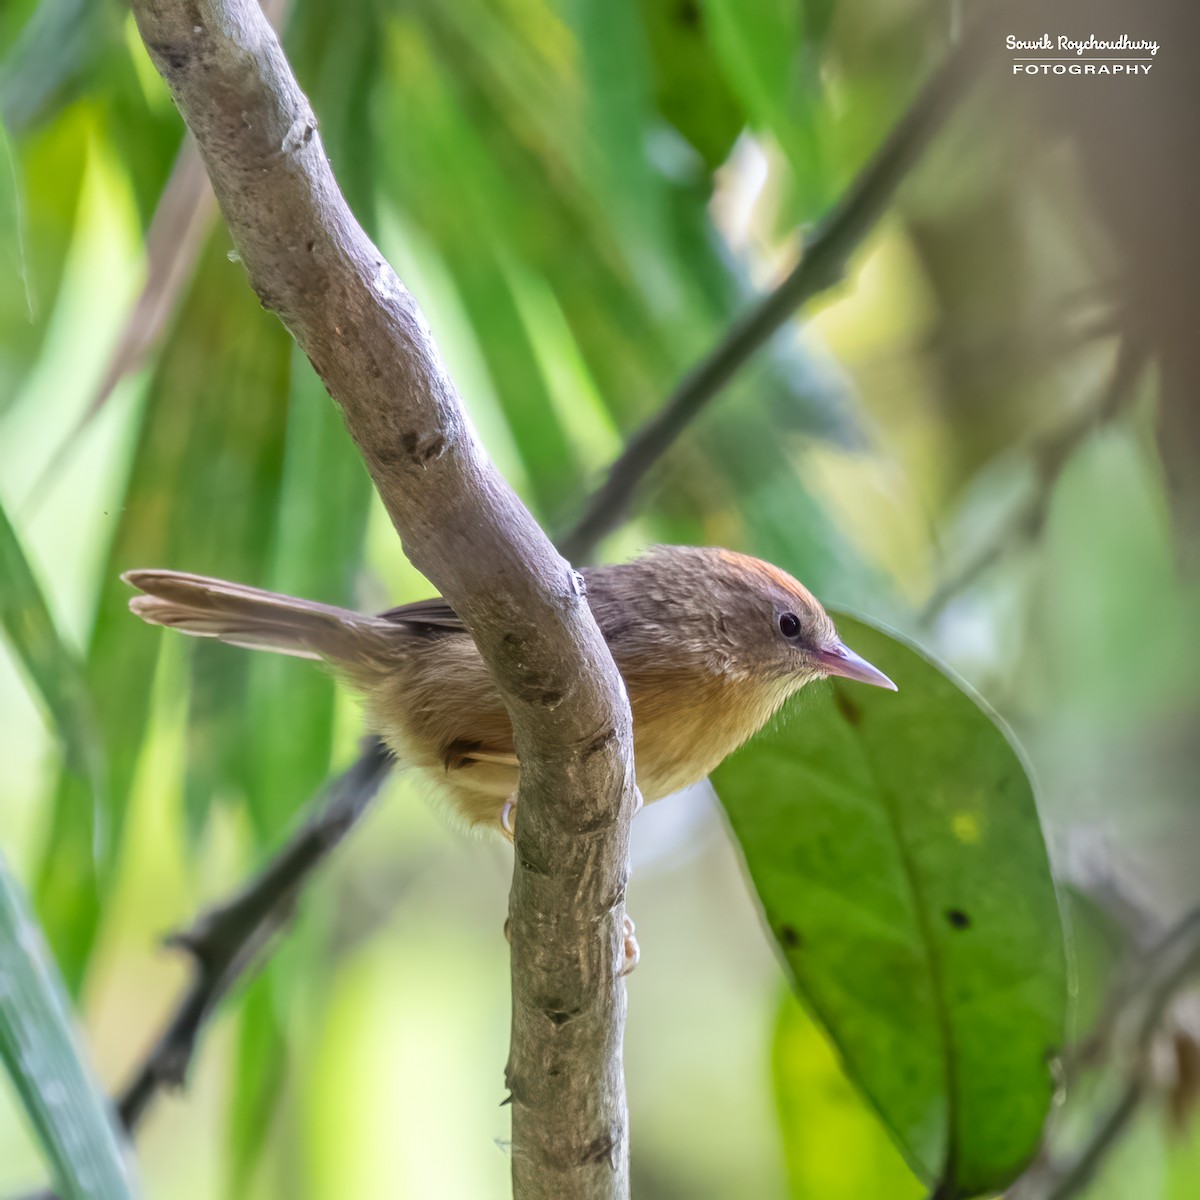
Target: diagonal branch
x=822, y=265
x=465, y=530
x=229, y=940
x=1164, y=971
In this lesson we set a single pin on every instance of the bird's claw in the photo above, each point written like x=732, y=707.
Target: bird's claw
x=633, y=951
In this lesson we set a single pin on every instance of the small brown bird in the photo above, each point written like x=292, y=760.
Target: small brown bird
x=710, y=643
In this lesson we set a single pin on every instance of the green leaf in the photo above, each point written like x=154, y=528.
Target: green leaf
x=12, y=222
x=471, y=237
x=896, y=849
x=261, y=1074
x=833, y=1145
x=55, y=49
x=45, y=177
x=40, y=1050
x=772, y=66
x=615, y=70
x=690, y=90
x=229, y=495
x=53, y=668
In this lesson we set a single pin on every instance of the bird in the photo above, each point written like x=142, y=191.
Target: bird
x=710, y=644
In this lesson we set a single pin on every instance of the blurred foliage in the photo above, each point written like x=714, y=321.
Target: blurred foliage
x=582, y=195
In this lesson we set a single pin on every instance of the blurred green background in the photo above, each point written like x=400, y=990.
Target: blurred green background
x=962, y=439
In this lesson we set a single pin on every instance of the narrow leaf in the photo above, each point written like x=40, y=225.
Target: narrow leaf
x=44, y=66
x=317, y=552
x=41, y=1052
x=895, y=846
x=204, y=450
x=771, y=66
x=52, y=667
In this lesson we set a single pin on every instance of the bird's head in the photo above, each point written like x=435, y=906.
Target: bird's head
x=751, y=619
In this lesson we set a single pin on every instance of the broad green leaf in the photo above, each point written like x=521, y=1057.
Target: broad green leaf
x=54, y=670
x=833, y=1145
x=895, y=846
x=42, y=1054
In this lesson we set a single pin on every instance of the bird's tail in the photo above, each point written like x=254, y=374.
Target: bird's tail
x=259, y=620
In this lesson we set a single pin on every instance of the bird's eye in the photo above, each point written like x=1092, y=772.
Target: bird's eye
x=789, y=625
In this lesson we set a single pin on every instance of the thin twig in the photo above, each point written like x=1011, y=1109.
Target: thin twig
x=822, y=265
x=1165, y=970
x=230, y=939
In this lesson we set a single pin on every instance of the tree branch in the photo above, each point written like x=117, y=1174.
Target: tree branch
x=465, y=530
x=821, y=266
x=232, y=938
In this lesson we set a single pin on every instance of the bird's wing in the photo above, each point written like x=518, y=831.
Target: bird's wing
x=432, y=617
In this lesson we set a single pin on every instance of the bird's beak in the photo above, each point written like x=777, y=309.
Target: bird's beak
x=841, y=660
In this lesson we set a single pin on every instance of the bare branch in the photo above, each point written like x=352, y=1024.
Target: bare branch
x=229, y=940
x=465, y=530
x=822, y=265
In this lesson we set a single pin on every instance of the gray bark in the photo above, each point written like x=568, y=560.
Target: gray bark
x=463, y=528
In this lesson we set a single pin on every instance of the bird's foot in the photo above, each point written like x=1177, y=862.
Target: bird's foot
x=633, y=951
